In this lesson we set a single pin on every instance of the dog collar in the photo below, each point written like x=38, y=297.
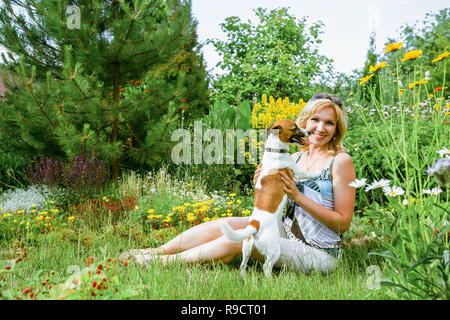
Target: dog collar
x=277, y=150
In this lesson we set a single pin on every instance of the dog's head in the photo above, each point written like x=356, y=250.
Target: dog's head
x=288, y=131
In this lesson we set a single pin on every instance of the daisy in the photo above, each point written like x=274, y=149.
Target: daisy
x=432, y=192
x=393, y=191
x=443, y=152
x=378, y=184
x=358, y=183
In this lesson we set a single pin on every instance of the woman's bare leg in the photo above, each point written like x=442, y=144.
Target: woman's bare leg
x=216, y=250
x=191, y=238
x=200, y=234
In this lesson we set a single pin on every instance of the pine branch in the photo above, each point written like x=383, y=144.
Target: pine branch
x=30, y=90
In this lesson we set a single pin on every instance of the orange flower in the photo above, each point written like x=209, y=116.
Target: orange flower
x=412, y=55
x=441, y=56
x=365, y=79
x=377, y=67
x=439, y=89
x=392, y=47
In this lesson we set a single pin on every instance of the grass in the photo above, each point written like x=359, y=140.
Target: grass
x=43, y=264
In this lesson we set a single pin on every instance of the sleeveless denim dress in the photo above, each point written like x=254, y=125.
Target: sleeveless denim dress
x=316, y=234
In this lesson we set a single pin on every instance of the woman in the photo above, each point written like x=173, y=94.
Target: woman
x=319, y=209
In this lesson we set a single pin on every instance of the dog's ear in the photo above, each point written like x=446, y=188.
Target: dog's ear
x=274, y=129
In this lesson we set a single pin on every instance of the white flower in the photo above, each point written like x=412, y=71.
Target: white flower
x=358, y=183
x=393, y=191
x=378, y=184
x=432, y=192
x=444, y=151
x=405, y=202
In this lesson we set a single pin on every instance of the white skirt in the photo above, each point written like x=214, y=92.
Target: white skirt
x=297, y=255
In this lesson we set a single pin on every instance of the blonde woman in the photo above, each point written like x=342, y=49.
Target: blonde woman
x=319, y=210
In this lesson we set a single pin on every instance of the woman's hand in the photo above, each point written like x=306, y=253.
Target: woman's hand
x=289, y=184
x=257, y=173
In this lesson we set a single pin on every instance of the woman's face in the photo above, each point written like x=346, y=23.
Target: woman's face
x=322, y=125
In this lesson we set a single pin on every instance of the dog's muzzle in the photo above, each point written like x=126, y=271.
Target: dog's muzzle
x=300, y=137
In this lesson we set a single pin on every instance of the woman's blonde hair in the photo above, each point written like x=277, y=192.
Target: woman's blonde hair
x=314, y=105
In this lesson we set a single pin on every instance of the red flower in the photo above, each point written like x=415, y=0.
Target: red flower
x=8, y=267
x=100, y=267
x=183, y=100
x=125, y=264
x=94, y=284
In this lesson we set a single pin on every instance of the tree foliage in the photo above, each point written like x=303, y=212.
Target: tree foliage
x=117, y=85
x=278, y=56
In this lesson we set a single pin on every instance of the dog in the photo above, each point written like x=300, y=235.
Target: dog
x=262, y=232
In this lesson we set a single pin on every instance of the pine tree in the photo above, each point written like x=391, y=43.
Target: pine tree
x=111, y=76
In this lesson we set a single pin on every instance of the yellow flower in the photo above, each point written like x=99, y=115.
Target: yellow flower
x=377, y=67
x=441, y=56
x=365, y=79
x=39, y=218
x=151, y=211
x=411, y=55
x=105, y=199
x=239, y=201
x=392, y=47
x=136, y=208
x=43, y=212
x=186, y=204
x=21, y=211
x=413, y=84
x=150, y=216
x=71, y=218
x=402, y=91
x=206, y=219
x=232, y=194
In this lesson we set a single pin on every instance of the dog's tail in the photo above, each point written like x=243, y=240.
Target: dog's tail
x=239, y=235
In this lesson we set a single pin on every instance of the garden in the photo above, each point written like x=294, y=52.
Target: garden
x=91, y=164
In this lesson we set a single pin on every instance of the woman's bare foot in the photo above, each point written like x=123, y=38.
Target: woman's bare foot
x=133, y=252
x=147, y=259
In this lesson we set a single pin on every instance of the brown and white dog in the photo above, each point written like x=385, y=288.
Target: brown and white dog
x=262, y=231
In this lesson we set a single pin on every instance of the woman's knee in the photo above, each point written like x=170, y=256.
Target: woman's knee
x=236, y=222
x=232, y=250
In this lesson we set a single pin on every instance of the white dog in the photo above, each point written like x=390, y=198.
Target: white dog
x=262, y=231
